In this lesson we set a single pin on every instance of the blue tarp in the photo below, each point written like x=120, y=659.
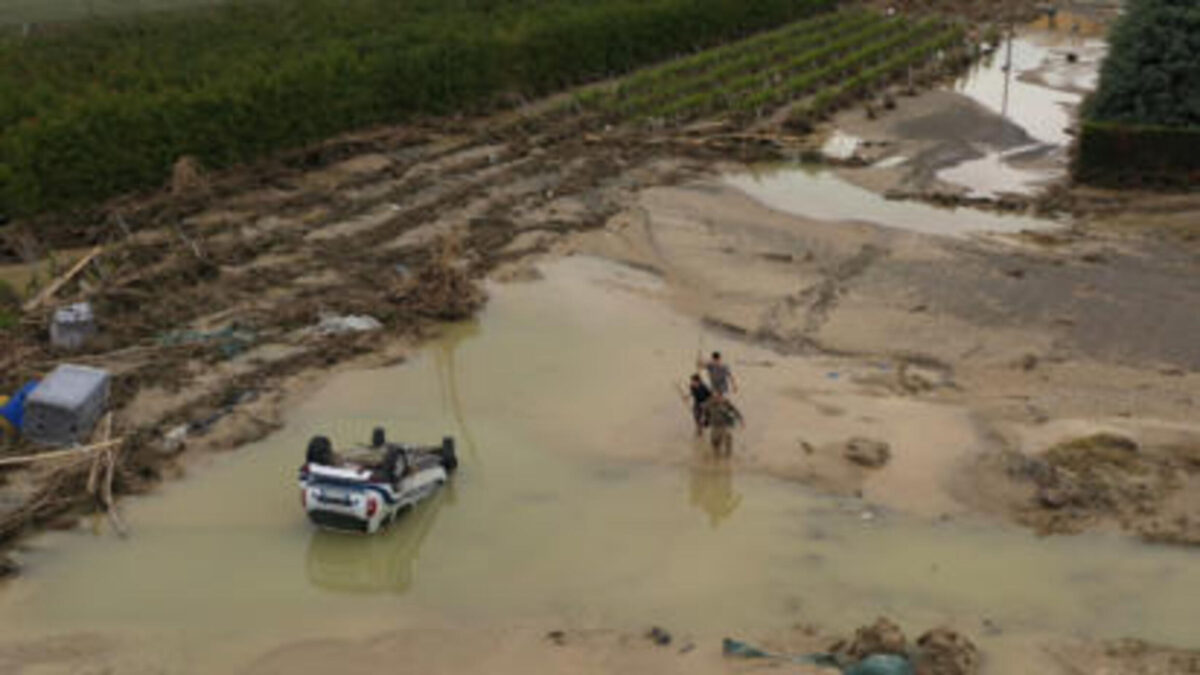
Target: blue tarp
x=876, y=664
x=14, y=410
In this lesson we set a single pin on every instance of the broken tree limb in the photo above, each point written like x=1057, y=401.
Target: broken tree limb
x=93, y=482
x=103, y=434
x=49, y=291
x=101, y=489
x=59, y=454
x=106, y=494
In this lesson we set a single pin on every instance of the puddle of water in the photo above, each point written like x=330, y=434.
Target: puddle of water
x=822, y=195
x=1041, y=95
x=540, y=529
x=1043, y=112
x=994, y=174
x=1044, y=109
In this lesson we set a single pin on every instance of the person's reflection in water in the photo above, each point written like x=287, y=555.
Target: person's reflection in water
x=711, y=489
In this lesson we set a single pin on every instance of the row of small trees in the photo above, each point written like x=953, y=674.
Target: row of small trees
x=1143, y=122
x=104, y=109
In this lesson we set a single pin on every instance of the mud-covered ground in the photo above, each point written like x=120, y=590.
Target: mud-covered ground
x=1044, y=375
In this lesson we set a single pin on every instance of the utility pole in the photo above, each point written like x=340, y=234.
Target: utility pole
x=1008, y=58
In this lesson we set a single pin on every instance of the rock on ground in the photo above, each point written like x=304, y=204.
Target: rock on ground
x=942, y=651
x=881, y=637
x=867, y=452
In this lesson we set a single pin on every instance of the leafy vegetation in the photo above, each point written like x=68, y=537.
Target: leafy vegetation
x=1142, y=126
x=10, y=303
x=89, y=112
x=1138, y=155
x=830, y=61
x=1152, y=73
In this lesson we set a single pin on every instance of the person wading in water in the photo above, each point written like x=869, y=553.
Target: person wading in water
x=722, y=415
x=699, y=393
x=720, y=378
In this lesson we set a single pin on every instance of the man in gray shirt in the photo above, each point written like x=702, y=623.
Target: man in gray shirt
x=720, y=378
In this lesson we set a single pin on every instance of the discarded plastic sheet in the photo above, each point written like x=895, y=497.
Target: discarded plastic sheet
x=742, y=650
x=875, y=664
x=12, y=410
x=230, y=340
x=338, y=325
x=881, y=664
x=738, y=649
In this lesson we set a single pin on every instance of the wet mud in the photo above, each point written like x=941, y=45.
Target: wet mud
x=562, y=518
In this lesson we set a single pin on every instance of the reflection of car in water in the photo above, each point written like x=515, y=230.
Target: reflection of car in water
x=383, y=563
x=363, y=489
x=711, y=490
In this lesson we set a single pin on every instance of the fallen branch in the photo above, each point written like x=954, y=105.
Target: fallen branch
x=59, y=454
x=53, y=288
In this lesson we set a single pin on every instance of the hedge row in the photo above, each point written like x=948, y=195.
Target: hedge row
x=1123, y=155
x=105, y=141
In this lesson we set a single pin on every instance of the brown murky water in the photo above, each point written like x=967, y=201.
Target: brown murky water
x=582, y=502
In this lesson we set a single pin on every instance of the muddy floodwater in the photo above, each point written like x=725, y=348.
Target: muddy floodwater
x=552, y=523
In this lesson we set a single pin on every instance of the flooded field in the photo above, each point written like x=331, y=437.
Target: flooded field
x=1036, y=81
x=583, y=501
x=1003, y=128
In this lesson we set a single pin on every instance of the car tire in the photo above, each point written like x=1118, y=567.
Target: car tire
x=395, y=462
x=320, y=451
x=449, y=456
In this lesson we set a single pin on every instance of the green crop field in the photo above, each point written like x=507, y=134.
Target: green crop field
x=826, y=62
x=19, y=12
x=98, y=108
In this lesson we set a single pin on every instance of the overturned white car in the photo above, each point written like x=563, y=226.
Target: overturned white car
x=365, y=488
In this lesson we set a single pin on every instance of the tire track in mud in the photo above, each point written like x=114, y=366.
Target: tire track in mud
x=795, y=321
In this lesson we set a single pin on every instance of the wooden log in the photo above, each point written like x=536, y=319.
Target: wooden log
x=54, y=287
x=59, y=454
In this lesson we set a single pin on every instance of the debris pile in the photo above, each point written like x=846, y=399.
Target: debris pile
x=443, y=289
x=881, y=649
x=881, y=637
x=1082, y=480
x=942, y=651
x=1099, y=473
